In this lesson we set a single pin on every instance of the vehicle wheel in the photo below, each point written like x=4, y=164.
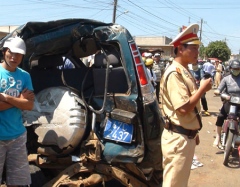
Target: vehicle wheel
x=228, y=147
x=37, y=176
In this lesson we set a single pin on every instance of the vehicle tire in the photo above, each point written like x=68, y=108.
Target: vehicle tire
x=228, y=147
x=37, y=176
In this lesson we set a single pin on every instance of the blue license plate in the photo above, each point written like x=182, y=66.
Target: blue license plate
x=118, y=131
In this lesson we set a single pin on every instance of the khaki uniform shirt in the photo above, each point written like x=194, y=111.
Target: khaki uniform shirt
x=176, y=94
x=219, y=69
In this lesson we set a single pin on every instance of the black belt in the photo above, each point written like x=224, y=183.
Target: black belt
x=179, y=129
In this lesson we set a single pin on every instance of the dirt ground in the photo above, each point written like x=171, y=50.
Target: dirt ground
x=213, y=173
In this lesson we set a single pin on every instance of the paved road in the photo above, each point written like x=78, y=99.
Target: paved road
x=213, y=173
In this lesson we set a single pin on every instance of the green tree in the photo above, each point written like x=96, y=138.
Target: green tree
x=218, y=49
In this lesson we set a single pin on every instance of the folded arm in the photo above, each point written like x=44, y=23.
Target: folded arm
x=24, y=102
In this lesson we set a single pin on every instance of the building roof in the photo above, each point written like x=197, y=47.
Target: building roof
x=152, y=40
x=4, y=30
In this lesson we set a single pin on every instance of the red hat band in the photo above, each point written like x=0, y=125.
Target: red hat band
x=186, y=37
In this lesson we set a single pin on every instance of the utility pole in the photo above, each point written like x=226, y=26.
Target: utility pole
x=114, y=11
x=201, y=30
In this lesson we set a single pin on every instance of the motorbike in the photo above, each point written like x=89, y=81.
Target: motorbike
x=230, y=131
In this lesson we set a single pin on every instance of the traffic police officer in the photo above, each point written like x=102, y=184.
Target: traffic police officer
x=180, y=104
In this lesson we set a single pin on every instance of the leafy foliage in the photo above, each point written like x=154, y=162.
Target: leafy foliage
x=218, y=49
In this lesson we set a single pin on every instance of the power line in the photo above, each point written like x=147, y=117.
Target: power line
x=180, y=9
x=153, y=17
x=152, y=14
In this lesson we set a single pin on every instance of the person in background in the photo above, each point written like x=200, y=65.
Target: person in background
x=169, y=62
x=230, y=84
x=67, y=64
x=209, y=68
x=214, y=71
x=150, y=72
x=163, y=65
x=16, y=94
x=196, y=163
x=197, y=72
x=180, y=105
x=223, y=68
x=157, y=69
x=218, y=74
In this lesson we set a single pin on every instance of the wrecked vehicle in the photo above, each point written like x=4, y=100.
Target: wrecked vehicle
x=97, y=121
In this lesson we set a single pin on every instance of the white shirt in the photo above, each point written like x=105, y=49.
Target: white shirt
x=152, y=76
x=208, y=68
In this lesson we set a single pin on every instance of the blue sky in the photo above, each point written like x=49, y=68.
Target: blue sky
x=220, y=18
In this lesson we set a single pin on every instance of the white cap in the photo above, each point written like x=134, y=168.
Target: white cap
x=146, y=54
x=157, y=54
x=187, y=36
x=16, y=45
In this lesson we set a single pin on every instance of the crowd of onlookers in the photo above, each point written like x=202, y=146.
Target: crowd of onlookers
x=156, y=66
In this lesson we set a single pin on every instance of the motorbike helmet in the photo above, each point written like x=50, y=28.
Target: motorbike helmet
x=16, y=45
x=235, y=67
x=144, y=59
x=148, y=62
x=235, y=64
